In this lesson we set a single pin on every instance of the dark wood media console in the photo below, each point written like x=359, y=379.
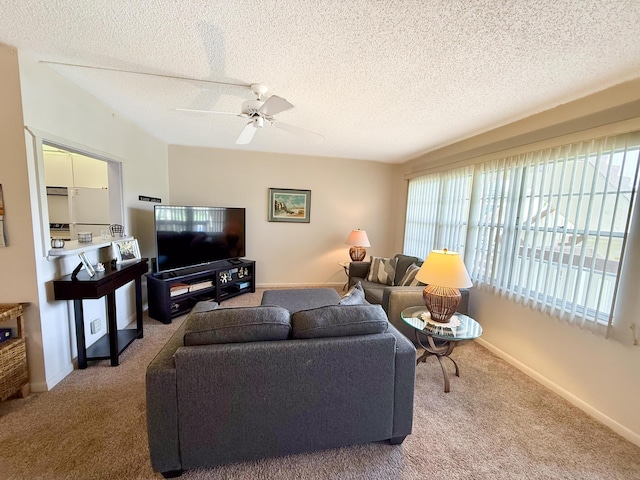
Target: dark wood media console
x=174, y=293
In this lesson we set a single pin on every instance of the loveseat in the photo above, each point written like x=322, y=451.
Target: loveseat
x=395, y=298
x=237, y=384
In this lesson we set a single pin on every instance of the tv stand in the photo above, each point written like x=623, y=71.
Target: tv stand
x=171, y=294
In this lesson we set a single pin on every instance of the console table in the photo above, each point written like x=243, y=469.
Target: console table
x=103, y=284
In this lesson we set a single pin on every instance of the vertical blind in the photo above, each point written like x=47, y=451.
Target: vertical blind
x=547, y=229
x=438, y=212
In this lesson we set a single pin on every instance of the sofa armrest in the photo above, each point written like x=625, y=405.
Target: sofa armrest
x=358, y=271
x=404, y=384
x=162, y=406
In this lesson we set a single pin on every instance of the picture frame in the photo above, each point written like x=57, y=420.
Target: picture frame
x=126, y=250
x=289, y=205
x=87, y=264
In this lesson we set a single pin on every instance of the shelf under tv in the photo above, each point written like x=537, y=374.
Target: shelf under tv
x=228, y=279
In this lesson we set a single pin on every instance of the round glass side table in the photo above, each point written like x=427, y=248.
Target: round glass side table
x=440, y=338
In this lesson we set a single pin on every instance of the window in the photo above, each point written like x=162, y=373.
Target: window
x=548, y=228
x=437, y=212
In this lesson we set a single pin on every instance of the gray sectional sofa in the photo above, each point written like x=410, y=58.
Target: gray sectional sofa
x=236, y=384
x=395, y=298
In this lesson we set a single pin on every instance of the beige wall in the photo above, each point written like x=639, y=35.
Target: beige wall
x=345, y=194
x=56, y=110
x=17, y=264
x=596, y=374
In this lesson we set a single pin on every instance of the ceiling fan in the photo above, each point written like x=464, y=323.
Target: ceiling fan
x=261, y=112
x=258, y=111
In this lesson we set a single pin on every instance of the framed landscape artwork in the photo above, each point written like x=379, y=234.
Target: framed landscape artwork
x=289, y=205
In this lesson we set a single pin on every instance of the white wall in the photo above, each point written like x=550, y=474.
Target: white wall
x=598, y=375
x=345, y=194
x=56, y=110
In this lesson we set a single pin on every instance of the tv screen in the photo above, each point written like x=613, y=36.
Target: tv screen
x=187, y=235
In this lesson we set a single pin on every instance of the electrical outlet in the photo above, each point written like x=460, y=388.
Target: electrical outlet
x=95, y=325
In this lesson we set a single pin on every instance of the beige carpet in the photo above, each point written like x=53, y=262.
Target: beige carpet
x=496, y=423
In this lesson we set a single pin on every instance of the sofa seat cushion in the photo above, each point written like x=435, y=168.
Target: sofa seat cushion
x=237, y=325
x=339, y=321
x=301, y=298
x=373, y=292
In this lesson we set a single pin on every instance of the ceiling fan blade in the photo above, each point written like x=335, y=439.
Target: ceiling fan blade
x=275, y=105
x=300, y=132
x=174, y=77
x=207, y=111
x=247, y=134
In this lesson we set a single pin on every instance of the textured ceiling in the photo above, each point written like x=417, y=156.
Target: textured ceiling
x=380, y=80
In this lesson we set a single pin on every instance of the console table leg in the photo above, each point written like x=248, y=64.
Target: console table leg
x=113, y=328
x=78, y=315
x=138, y=288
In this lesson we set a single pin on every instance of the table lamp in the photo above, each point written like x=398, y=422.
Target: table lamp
x=444, y=273
x=358, y=239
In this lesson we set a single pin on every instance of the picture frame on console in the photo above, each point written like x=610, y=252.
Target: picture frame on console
x=126, y=250
x=86, y=264
x=289, y=205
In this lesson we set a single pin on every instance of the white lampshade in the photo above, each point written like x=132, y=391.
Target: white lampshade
x=359, y=238
x=445, y=269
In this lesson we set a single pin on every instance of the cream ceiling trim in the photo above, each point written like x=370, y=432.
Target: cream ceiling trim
x=619, y=128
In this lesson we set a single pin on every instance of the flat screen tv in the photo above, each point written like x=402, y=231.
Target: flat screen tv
x=187, y=236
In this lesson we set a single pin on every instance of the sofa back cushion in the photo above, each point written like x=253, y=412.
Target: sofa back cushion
x=236, y=325
x=403, y=262
x=339, y=321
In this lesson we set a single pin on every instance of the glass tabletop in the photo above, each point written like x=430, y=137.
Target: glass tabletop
x=460, y=327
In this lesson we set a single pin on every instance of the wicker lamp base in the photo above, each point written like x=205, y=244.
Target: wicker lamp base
x=442, y=302
x=357, y=254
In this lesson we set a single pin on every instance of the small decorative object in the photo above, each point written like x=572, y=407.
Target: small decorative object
x=87, y=264
x=126, y=250
x=5, y=334
x=116, y=230
x=104, y=234
x=358, y=239
x=85, y=237
x=288, y=205
x=99, y=267
x=57, y=242
x=443, y=272
x=225, y=277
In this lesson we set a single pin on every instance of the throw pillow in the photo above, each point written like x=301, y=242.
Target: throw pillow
x=355, y=296
x=235, y=325
x=339, y=321
x=409, y=278
x=382, y=270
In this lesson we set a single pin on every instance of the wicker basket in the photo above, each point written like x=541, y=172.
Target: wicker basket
x=14, y=374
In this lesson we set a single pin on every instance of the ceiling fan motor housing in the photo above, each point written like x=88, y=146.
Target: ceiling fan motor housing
x=251, y=107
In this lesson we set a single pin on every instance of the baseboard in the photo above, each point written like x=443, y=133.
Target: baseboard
x=39, y=387
x=620, y=429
